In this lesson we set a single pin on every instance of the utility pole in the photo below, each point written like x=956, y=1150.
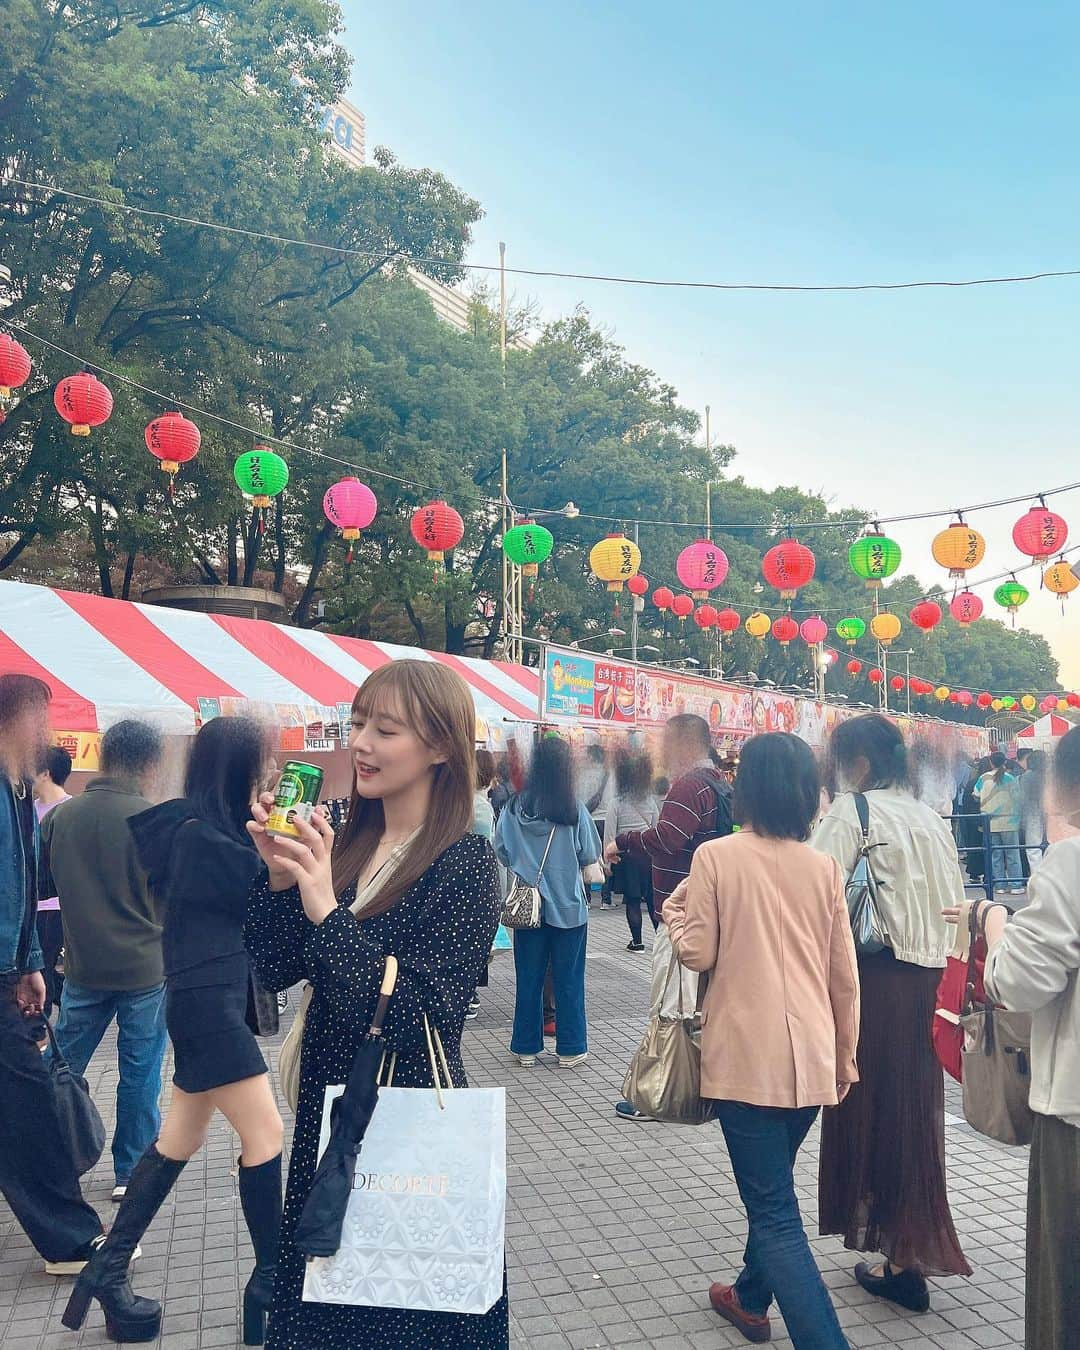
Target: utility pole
x=512, y=593
x=635, y=602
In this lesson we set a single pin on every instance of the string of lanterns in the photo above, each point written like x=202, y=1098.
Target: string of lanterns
x=85, y=403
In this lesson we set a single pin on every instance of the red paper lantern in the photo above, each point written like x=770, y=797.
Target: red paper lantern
x=813, y=631
x=1049, y=703
x=954, y=697
x=785, y=629
x=854, y=668
x=173, y=440
x=876, y=676
x=1073, y=700
x=682, y=607
x=966, y=608
x=965, y=698
x=728, y=621
x=984, y=700
x=926, y=615
x=437, y=528
x=662, y=598
x=15, y=365
x=788, y=566
x=638, y=585
x=1040, y=533
x=83, y=401
x=705, y=616
x=701, y=568
x=898, y=682
x=351, y=506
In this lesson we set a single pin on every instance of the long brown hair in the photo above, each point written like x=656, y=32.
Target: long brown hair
x=436, y=704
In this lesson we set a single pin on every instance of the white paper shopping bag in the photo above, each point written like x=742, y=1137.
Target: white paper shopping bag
x=426, y=1220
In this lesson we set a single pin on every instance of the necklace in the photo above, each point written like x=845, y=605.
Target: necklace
x=19, y=790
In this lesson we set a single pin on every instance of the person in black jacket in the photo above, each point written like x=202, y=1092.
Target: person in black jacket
x=200, y=864
x=404, y=877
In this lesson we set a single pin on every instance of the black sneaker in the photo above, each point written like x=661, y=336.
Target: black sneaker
x=473, y=1010
x=635, y=946
x=628, y=1111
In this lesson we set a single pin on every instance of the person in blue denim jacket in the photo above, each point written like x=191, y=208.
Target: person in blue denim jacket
x=37, y=1176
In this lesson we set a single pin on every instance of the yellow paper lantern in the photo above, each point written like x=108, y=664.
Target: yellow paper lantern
x=615, y=560
x=1063, y=705
x=942, y=692
x=997, y=705
x=959, y=548
x=1028, y=703
x=758, y=624
x=885, y=627
x=1060, y=579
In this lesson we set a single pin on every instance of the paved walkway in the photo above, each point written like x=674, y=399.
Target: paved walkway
x=615, y=1230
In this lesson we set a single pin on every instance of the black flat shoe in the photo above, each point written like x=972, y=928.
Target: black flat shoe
x=905, y=1287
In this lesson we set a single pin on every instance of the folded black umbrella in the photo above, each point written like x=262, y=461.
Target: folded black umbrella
x=318, y=1232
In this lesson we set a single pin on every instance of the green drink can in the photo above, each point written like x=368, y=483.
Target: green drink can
x=295, y=798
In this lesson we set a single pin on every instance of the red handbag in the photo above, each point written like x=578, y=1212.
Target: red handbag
x=963, y=966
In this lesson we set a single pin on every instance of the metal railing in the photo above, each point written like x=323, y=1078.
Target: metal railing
x=986, y=847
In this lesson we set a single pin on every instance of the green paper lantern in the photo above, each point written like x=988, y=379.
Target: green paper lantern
x=528, y=545
x=1011, y=595
x=1008, y=704
x=851, y=630
x=874, y=557
x=261, y=474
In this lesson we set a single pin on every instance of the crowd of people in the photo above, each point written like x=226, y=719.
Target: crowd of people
x=181, y=920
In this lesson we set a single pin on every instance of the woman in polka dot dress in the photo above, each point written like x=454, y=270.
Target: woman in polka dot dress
x=429, y=896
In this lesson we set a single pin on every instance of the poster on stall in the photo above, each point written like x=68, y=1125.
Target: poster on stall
x=569, y=685
x=84, y=747
x=615, y=694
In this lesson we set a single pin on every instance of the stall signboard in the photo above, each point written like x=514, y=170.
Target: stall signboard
x=588, y=691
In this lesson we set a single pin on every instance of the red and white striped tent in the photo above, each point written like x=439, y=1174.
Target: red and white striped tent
x=107, y=659
x=1045, y=730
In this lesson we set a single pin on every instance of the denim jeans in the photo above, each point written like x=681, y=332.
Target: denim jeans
x=763, y=1142
x=1007, y=870
x=566, y=949
x=141, y=1040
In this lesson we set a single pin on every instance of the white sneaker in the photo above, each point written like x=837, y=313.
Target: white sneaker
x=571, y=1061
x=526, y=1061
x=118, y=1192
x=78, y=1264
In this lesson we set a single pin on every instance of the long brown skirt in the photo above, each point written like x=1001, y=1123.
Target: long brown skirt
x=882, y=1183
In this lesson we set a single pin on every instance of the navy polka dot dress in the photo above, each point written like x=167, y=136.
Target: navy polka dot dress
x=441, y=931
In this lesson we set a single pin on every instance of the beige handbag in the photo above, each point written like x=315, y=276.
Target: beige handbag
x=664, y=1077
x=996, y=1064
x=289, y=1054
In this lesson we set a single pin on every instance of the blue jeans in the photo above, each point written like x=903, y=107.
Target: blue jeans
x=141, y=1041
x=566, y=949
x=1007, y=868
x=763, y=1142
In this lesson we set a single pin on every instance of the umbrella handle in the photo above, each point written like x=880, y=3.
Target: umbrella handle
x=386, y=989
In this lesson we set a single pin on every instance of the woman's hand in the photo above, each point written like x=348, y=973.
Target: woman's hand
x=990, y=917
x=842, y=1090
x=303, y=862
x=265, y=843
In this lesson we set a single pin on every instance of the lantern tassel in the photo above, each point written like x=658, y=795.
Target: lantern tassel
x=349, y=556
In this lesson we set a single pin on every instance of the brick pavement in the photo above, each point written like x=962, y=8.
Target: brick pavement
x=614, y=1229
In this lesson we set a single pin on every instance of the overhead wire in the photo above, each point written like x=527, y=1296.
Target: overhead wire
x=610, y=278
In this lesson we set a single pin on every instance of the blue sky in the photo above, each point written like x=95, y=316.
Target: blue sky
x=794, y=143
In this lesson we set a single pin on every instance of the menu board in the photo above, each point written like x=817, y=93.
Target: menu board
x=309, y=727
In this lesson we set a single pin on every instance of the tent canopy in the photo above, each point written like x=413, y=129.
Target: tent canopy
x=108, y=659
x=1047, y=728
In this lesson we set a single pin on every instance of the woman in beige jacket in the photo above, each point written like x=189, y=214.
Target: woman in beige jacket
x=1034, y=966
x=765, y=914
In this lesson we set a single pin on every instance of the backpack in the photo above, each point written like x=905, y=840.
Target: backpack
x=723, y=824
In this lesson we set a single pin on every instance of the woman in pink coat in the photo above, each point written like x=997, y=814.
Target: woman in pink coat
x=765, y=914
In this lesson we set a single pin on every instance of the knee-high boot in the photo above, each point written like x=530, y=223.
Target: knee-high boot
x=260, y=1199
x=127, y=1317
